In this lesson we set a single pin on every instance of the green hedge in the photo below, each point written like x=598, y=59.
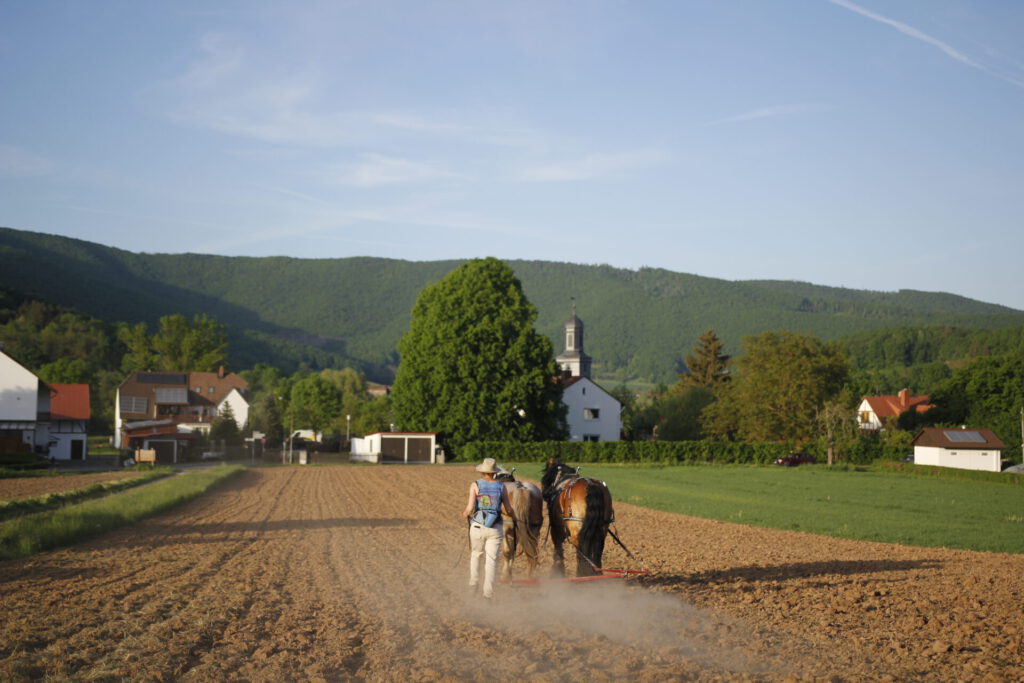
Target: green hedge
x=656, y=452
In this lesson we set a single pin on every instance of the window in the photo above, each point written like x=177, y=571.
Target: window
x=198, y=390
x=591, y=413
x=591, y=437
x=865, y=416
x=568, y=340
x=210, y=390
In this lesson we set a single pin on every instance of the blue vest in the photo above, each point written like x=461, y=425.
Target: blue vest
x=488, y=502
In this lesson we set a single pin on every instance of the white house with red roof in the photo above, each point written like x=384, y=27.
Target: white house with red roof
x=69, y=422
x=874, y=411
x=592, y=414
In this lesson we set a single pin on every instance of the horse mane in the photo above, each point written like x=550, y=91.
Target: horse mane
x=547, y=480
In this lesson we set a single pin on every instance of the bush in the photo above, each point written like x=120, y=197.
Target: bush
x=633, y=452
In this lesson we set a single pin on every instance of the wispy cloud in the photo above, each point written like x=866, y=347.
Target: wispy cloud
x=18, y=162
x=770, y=112
x=375, y=170
x=591, y=166
x=908, y=30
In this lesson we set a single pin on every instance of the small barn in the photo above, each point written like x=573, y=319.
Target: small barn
x=967, y=449
x=69, y=421
x=396, y=447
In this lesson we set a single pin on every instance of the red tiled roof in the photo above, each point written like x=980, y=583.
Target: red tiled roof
x=894, y=406
x=70, y=402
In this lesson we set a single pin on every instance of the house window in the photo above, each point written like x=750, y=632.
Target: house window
x=568, y=340
x=198, y=390
x=210, y=390
x=591, y=437
x=865, y=417
x=591, y=414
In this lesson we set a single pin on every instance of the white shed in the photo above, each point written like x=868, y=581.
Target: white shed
x=968, y=449
x=396, y=447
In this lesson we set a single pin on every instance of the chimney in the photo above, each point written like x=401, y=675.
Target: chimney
x=220, y=372
x=904, y=399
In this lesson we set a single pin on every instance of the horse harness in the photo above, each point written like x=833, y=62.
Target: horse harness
x=563, y=492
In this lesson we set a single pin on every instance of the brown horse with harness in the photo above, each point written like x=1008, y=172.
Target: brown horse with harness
x=580, y=511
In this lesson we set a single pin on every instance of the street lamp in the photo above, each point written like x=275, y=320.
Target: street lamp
x=348, y=428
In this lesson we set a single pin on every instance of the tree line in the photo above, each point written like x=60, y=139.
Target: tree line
x=474, y=367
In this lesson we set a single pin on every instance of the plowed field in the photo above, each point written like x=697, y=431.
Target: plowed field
x=342, y=573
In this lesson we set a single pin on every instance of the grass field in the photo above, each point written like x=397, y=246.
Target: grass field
x=30, y=534
x=865, y=505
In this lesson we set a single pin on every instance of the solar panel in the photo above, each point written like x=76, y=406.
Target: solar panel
x=161, y=378
x=165, y=396
x=964, y=436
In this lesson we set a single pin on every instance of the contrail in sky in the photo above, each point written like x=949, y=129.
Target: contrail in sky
x=924, y=37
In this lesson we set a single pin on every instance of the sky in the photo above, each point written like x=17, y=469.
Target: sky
x=871, y=145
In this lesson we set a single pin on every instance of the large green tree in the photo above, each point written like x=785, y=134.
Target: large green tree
x=177, y=346
x=472, y=365
x=783, y=381
x=987, y=393
x=316, y=403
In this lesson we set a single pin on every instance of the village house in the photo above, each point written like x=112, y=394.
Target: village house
x=167, y=411
x=875, y=411
x=69, y=422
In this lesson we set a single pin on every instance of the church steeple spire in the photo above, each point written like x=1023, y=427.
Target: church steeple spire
x=573, y=361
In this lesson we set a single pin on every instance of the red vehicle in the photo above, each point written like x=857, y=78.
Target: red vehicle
x=794, y=459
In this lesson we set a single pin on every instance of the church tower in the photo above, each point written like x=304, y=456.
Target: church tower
x=573, y=361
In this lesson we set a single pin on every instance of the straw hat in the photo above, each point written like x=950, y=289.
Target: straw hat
x=489, y=465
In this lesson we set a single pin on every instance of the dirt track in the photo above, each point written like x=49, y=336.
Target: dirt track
x=339, y=573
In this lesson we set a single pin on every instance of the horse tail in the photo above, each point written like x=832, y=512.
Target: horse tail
x=595, y=521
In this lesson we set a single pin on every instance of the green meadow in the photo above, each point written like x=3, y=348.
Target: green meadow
x=924, y=509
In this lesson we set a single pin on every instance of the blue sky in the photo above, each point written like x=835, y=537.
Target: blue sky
x=869, y=144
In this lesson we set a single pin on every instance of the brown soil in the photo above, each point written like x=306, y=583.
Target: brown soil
x=30, y=487
x=341, y=573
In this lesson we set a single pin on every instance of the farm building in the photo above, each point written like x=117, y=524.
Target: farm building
x=397, y=447
x=968, y=449
x=69, y=421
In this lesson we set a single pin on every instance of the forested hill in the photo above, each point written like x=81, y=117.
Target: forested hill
x=329, y=312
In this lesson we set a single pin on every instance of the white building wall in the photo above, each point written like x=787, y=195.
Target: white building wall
x=19, y=392
x=873, y=421
x=239, y=407
x=582, y=398
x=987, y=461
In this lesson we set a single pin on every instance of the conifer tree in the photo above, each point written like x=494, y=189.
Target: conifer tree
x=707, y=365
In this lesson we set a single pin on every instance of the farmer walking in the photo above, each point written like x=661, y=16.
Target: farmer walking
x=487, y=498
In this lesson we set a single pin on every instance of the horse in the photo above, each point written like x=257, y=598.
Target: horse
x=528, y=515
x=579, y=510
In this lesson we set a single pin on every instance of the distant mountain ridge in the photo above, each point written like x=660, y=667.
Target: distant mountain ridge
x=330, y=312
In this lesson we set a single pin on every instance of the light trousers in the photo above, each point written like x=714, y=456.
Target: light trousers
x=485, y=544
